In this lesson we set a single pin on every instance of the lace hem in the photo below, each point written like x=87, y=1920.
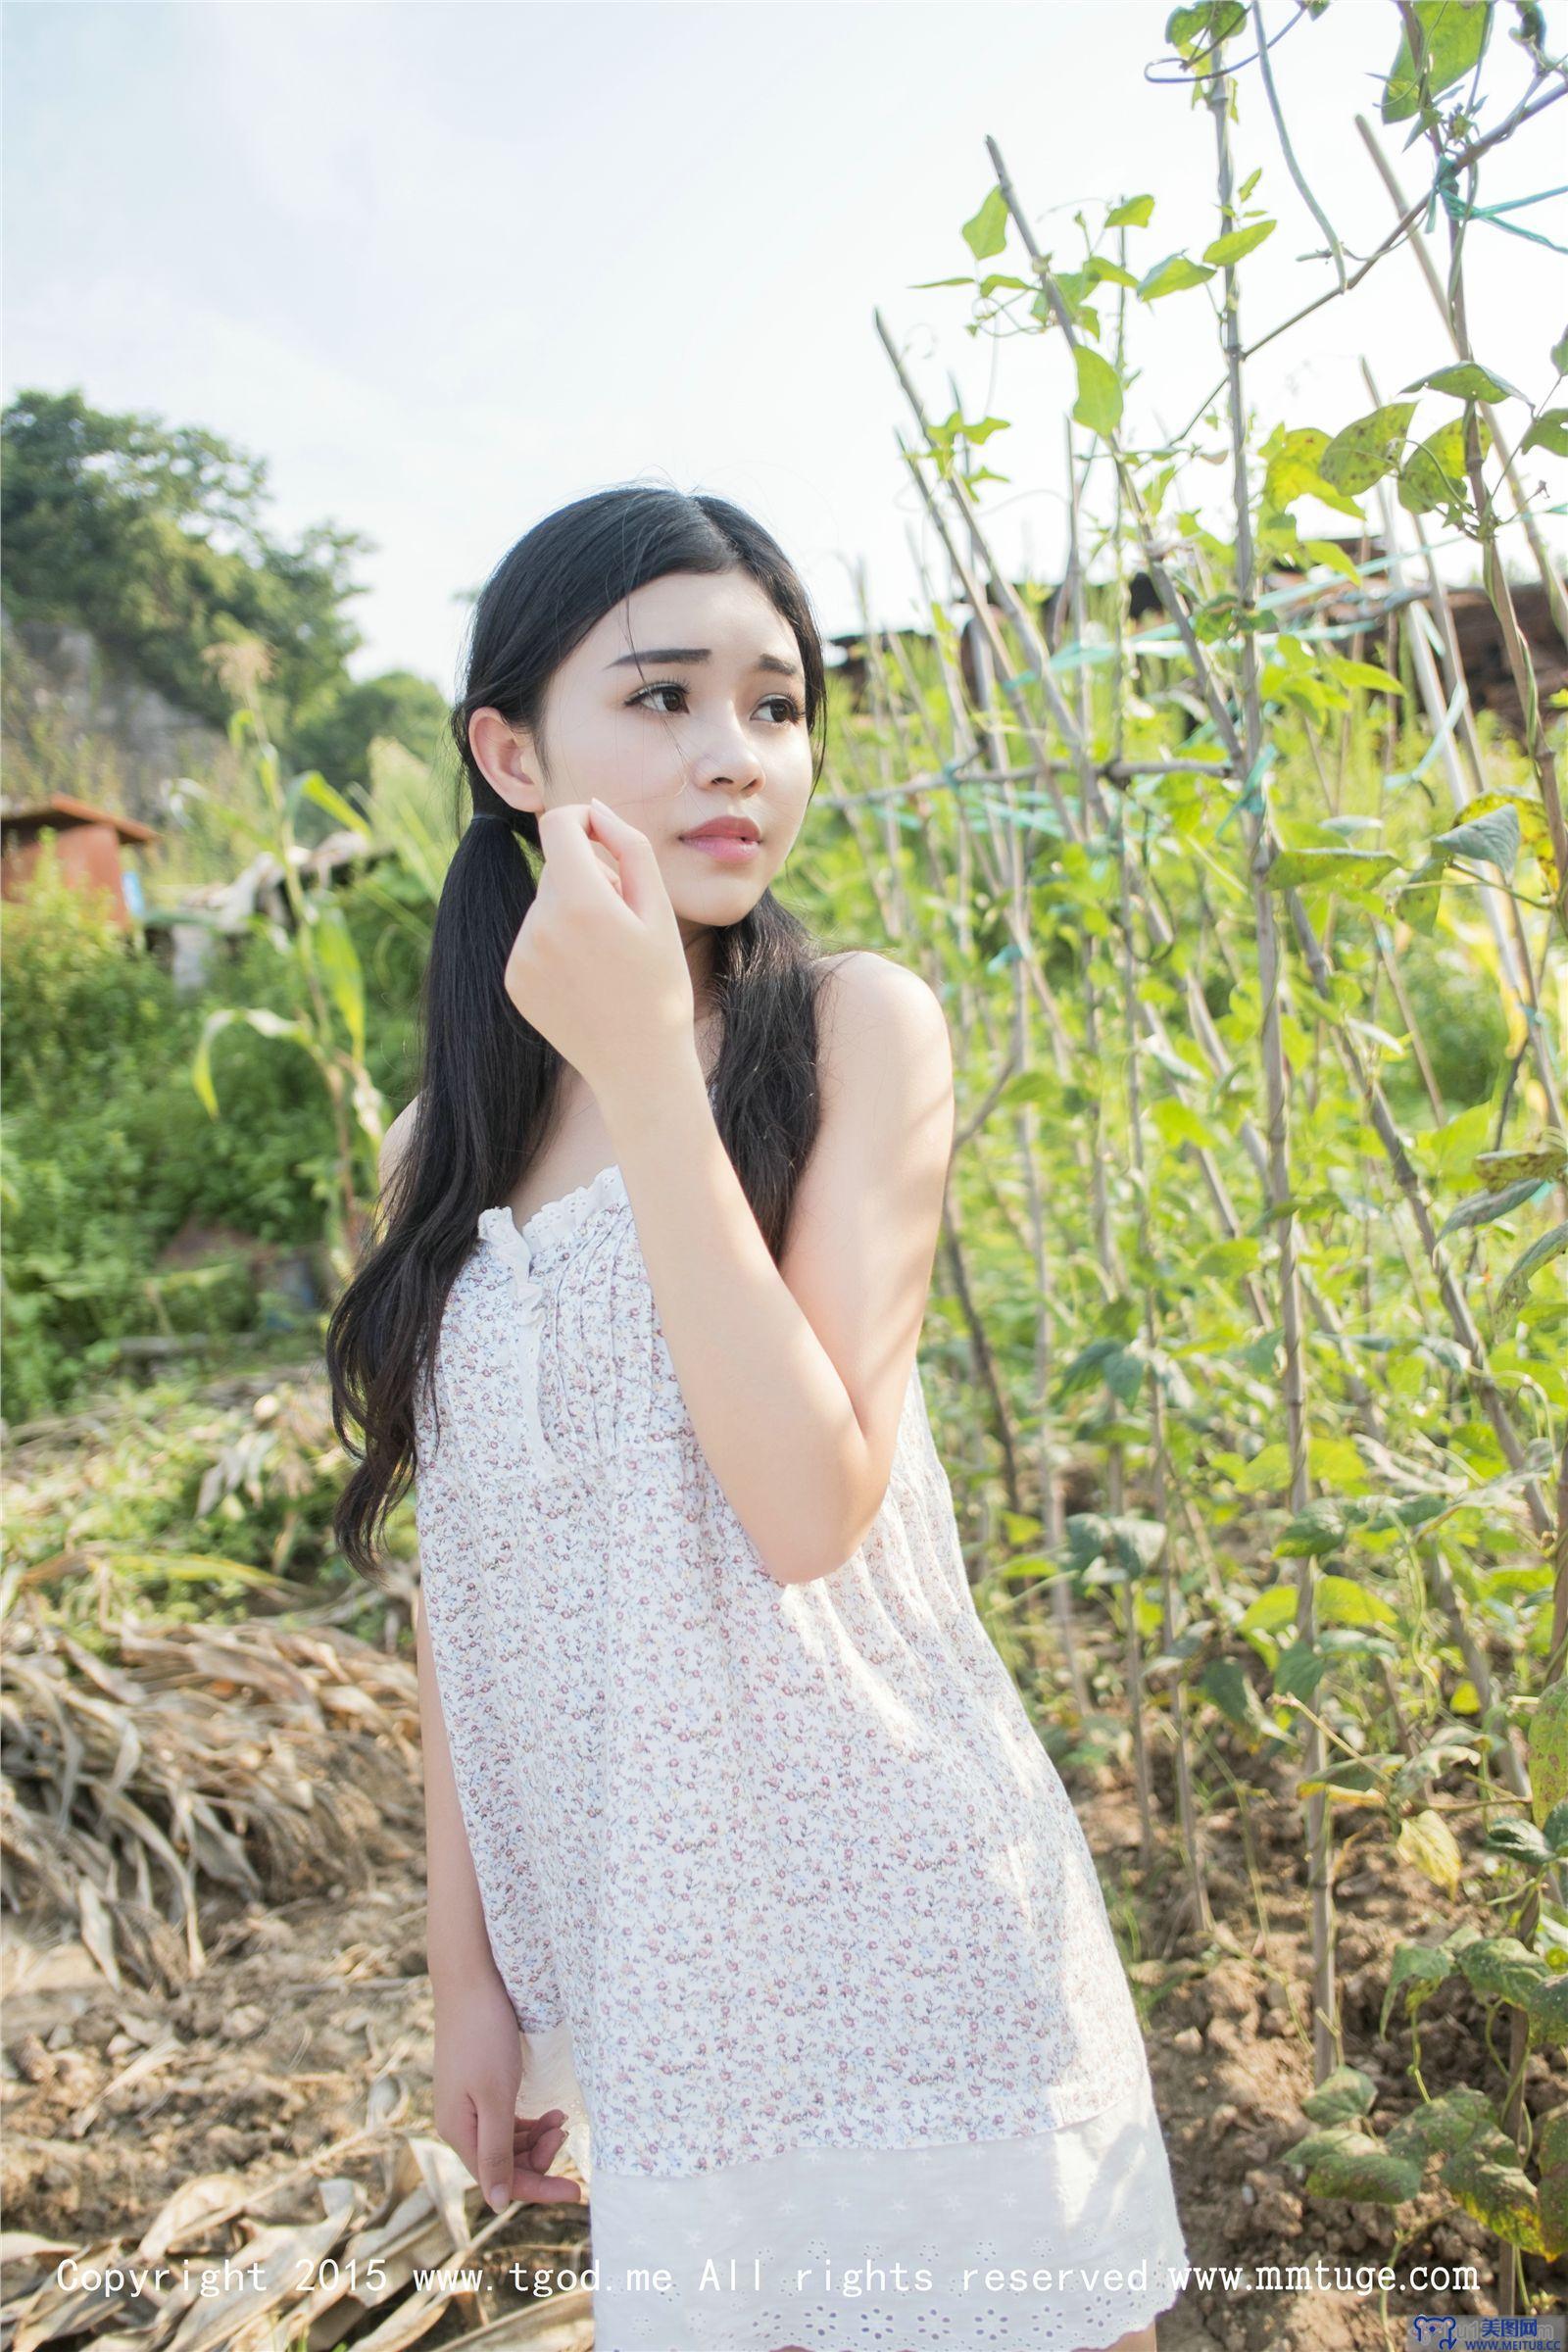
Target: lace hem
x=1066, y=2239
x=1056, y=2320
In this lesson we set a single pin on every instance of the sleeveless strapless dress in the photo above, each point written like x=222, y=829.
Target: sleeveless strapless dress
x=795, y=1914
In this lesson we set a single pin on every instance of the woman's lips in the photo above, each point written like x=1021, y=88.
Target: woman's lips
x=729, y=848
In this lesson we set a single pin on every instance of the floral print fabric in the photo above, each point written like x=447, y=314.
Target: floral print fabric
x=790, y=1861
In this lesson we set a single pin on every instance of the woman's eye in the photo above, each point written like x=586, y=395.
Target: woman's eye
x=791, y=708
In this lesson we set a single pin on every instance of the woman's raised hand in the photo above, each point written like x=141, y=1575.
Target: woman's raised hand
x=598, y=966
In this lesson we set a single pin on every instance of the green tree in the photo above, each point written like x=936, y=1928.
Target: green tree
x=152, y=537
x=336, y=731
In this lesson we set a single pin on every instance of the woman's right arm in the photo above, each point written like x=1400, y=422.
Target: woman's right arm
x=457, y=1944
x=479, y=2053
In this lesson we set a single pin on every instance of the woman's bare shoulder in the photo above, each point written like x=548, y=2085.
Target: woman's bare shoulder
x=395, y=1142
x=872, y=988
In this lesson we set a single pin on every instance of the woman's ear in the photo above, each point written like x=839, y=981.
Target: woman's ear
x=507, y=759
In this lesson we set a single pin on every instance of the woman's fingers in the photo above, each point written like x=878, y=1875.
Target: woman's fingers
x=641, y=882
x=537, y=2141
x=495, y=2150
x=571, y=852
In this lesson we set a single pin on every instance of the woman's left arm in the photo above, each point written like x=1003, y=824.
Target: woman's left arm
x=794, y=1374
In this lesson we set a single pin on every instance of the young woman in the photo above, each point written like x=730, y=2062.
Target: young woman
x=746, y=1864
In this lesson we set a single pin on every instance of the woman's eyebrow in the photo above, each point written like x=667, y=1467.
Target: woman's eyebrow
x=670, y=654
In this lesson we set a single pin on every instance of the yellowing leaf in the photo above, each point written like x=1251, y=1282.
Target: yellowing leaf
x=1363, y=453
x=1427, y=1841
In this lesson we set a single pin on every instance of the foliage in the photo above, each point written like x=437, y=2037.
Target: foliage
x=336, y=730
x=115, y=521
x=109, y=1152
x=1249, y=938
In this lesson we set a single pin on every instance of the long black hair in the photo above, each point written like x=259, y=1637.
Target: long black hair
x=488, y=1078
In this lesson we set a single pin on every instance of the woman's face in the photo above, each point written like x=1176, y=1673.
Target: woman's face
x=683, y=708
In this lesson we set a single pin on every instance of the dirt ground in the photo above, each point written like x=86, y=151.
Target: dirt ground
x=299, y=2056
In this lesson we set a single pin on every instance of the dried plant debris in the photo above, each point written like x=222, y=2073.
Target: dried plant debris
x=266, y=1761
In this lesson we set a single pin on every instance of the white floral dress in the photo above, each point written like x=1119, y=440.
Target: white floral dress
x=794, y=1911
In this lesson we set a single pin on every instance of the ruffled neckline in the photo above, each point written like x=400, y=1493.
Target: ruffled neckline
x=553, y=1220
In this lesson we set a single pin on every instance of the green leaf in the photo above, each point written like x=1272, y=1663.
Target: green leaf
x=1134, y=1543
x=1551, y=2159
x=986, y=232
x=1346, y=2162
x=1485, y=1209
x=1273, y=1608
x=1486, y=2180
x=1347, y=1782
x=1328, y=551
x=314, y=786
x=1197, y=31
x=1224, y=1682
x=1548, y=1750
x=1123, y=1369
x=1467, y=379
x=1500, y=1969
x=1440, y=2126
x=1549, y=2012
x=1516, y=1282
x=1548, y=431
x=1546, y=1158
x=1520, y=1840
x=1369, y=674
x=1433, y=473
x=1342, y=1602
x=1363, y=453
x=340, y=965
x=1453, y=34
x=1324, y=1527
x=1173, y=275
x=1237, y=242
x=259, y=1019
x=1292, y=465
x=1098, y=402
x=1334, y=869
x=1554, y=1829
x=1136, y=213
x=1492, y=839
x=1293, y=471
x=1107, y=273
x=1418, y=1970
x=1342, y=2095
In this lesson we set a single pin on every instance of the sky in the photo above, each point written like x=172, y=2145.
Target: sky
x=447, y=267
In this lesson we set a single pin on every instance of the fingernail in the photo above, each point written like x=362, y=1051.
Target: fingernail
x=498, y=2197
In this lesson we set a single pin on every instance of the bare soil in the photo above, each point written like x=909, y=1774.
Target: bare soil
x=255, y=2081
